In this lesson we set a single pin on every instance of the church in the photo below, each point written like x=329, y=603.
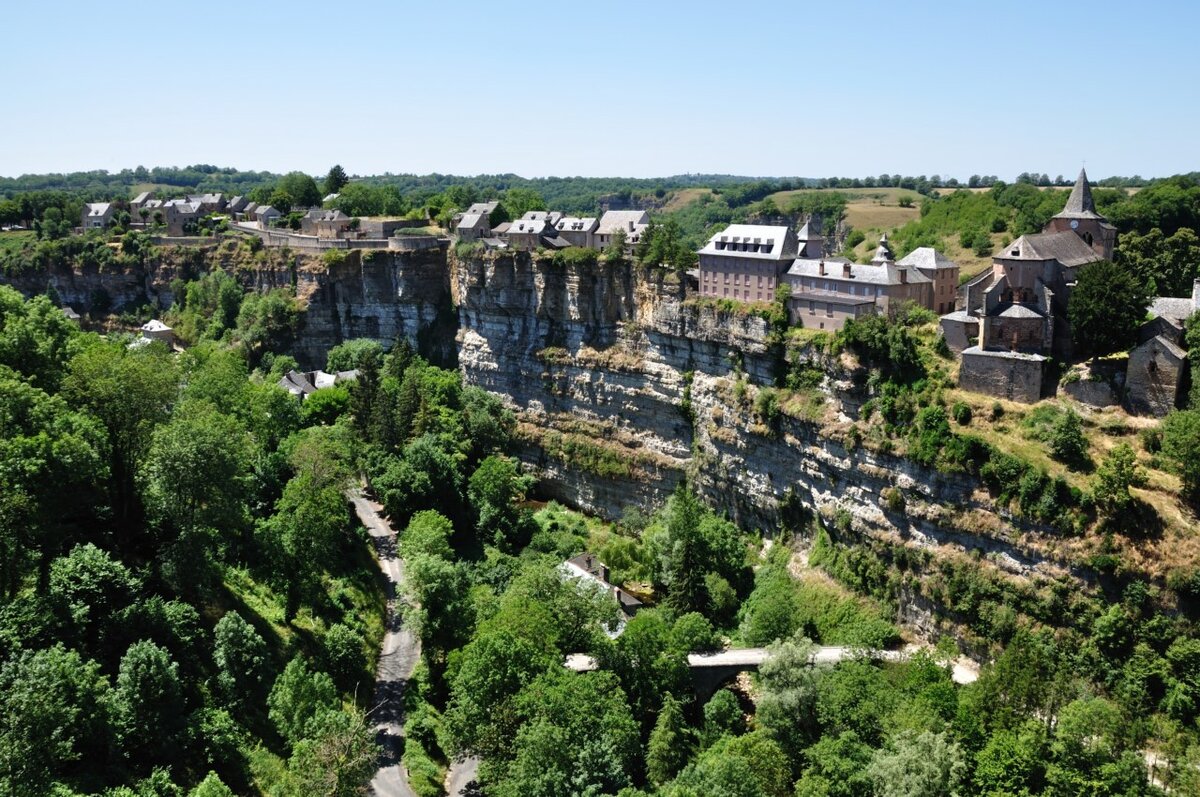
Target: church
x=1015, y=315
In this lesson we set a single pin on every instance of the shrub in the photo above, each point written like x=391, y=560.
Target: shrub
x=997, y=410
x=962, y=413
x=893, y=498
x=1067, y=443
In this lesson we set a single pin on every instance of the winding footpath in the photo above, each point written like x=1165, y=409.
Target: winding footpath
x=400, y=653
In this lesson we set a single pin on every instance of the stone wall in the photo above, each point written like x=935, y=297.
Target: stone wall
x=1155, y=377
x=1007, y=375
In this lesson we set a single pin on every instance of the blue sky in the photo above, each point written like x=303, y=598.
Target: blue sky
x=841, y=87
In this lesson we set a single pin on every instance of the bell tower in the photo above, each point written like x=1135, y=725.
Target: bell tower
x=1081, y=218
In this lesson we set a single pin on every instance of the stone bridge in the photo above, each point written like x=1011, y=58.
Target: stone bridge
x=710, y=671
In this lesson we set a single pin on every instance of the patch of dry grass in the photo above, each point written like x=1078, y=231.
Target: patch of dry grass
x=684, y=197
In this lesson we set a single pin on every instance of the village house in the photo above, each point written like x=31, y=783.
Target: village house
x=333, y=224
x=97, y=215
x=304, y=384
x=476, y=223
x=587, y=568
x=179, y=214
x=525, y=235
x=139, y=204
x=745, y=262
x=1014, y=315
x=236, y=206
x=577, y=231
x=631, y=222
x=208, y=203
x=266, y=216
x=157, y=330
x=473, y=227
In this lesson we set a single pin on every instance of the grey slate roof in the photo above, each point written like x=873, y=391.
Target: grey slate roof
x=470, y=221
x=98, y=208
x=1173, y=309
x=1019, y=311
x=873, y=274
x=1065, y=247
x=528, y=226
x=576, y=224
x=142, y=197
x=766, y=242
x=484, y=208
x=926, y=257
x=1080, y=204
x=615, y=220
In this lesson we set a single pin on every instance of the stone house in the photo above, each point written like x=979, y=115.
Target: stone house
x=333, y=224
x=632, y=222
x=208, y=203
x=578, y=231
x=138, y=204
x=157, y=330
x=237, y=206
x=525, y=235
x=941, y=271
x=266, y=215
x=178, y=214
x=588, y=569
x=1157, y=371
x=473, y=226
x=97, y=215
x=745, y=262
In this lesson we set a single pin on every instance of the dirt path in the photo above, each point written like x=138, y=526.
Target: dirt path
x=400, y=653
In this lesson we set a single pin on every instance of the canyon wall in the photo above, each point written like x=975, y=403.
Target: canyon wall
x=623, y=388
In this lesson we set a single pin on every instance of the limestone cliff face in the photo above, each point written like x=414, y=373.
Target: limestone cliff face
x=623, y=389
x=381, y=294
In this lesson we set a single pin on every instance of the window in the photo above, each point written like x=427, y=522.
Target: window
x=812, y=307
x=828, y=309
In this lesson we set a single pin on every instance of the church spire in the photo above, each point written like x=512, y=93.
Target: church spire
x=1080, y=202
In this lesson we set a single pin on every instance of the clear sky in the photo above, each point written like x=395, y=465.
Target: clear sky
x=839, y=87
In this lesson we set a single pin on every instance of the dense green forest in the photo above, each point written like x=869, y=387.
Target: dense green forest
x=190, y=608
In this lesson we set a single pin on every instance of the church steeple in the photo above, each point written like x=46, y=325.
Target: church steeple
x=1080, y=204
x=1080, y=217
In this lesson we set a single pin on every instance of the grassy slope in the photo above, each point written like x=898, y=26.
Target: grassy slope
x=683, y=197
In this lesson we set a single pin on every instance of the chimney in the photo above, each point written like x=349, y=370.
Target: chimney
x=631, y=226
x=1196, y=294
x=846, y=270
x=821, y=268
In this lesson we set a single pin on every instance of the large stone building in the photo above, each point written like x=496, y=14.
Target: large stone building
x=748, y=262
x=745, y=262
x=1014, y=316
x=827, y=292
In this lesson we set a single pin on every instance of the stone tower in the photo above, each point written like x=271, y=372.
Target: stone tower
x=1081, y=218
